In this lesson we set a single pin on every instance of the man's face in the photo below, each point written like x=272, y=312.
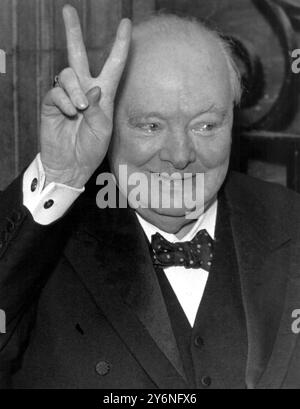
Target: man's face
x=174, y=115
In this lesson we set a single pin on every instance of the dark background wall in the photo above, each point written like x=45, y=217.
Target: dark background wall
x=32, y=35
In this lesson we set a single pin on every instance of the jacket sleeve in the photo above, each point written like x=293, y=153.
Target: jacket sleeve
x=28, y=252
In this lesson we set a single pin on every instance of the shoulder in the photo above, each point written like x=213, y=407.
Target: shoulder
x=260, y=190
x=258, y=197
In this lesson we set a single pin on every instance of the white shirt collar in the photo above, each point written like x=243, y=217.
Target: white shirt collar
x=206, y=221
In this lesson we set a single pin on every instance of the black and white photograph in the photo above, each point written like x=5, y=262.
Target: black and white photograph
x=149, y=197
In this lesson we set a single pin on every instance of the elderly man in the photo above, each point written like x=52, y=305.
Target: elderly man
x=147, y=297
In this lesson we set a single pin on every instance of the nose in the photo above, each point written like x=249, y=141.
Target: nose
x=178, y=149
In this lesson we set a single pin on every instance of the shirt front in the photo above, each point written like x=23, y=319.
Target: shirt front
x=188, y=283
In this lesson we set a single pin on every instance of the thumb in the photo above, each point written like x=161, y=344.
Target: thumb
x=93, y=96
x=95, y=119
x=93, y=113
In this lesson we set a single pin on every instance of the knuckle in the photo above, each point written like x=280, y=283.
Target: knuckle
x=66, y=73
x=55, y=92
x=58, y=96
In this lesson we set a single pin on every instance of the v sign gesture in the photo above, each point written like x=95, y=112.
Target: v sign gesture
x=77, y=115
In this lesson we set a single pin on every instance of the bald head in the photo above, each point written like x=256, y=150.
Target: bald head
x=188, y=31
x=179, y=62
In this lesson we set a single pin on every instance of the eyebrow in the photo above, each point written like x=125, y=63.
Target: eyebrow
x=142, y=114
x=211, y=109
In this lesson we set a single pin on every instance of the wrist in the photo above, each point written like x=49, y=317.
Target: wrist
x=70, y=177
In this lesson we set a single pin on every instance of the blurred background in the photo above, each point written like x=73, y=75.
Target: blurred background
x=263, y=33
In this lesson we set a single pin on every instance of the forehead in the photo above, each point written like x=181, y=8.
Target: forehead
x=173, y=74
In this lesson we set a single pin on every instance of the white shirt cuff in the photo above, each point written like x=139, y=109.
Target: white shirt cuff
x=46, y=204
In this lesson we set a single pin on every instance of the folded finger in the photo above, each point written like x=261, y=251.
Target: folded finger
x=68, y=80
x=59, y=99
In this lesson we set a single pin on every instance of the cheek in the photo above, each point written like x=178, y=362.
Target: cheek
x=128, y=148
x=215, y=153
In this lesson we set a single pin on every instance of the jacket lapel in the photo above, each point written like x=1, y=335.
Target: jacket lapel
x=275, y=376
x=263, y=246
x=110, y=254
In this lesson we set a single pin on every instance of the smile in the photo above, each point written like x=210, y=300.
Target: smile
x=173, y=176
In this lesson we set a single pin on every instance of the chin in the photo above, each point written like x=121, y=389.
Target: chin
x=171, y=212
x=165, y=219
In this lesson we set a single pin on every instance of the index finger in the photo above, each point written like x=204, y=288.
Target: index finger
x=77, y=55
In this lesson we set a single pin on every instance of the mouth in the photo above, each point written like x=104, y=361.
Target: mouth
x=173, y=176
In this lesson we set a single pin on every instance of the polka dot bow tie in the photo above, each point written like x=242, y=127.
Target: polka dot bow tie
x=197, y=253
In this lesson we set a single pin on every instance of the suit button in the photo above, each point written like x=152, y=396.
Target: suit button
x=198, y=342
x=10, y=226
x=34, y=184
x=102, y=368
x=206, y=381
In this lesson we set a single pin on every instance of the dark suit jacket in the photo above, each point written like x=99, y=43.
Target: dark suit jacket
x=85, y=310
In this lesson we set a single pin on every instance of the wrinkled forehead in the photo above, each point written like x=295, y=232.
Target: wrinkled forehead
x=166, y=70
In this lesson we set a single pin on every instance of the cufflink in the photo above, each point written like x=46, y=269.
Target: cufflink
x=34, y=184
x=48, y=204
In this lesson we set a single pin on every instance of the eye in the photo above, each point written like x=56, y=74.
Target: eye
x=149, y=127
x=204, y=128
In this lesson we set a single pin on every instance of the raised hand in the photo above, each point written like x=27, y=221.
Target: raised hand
x=77, y=115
